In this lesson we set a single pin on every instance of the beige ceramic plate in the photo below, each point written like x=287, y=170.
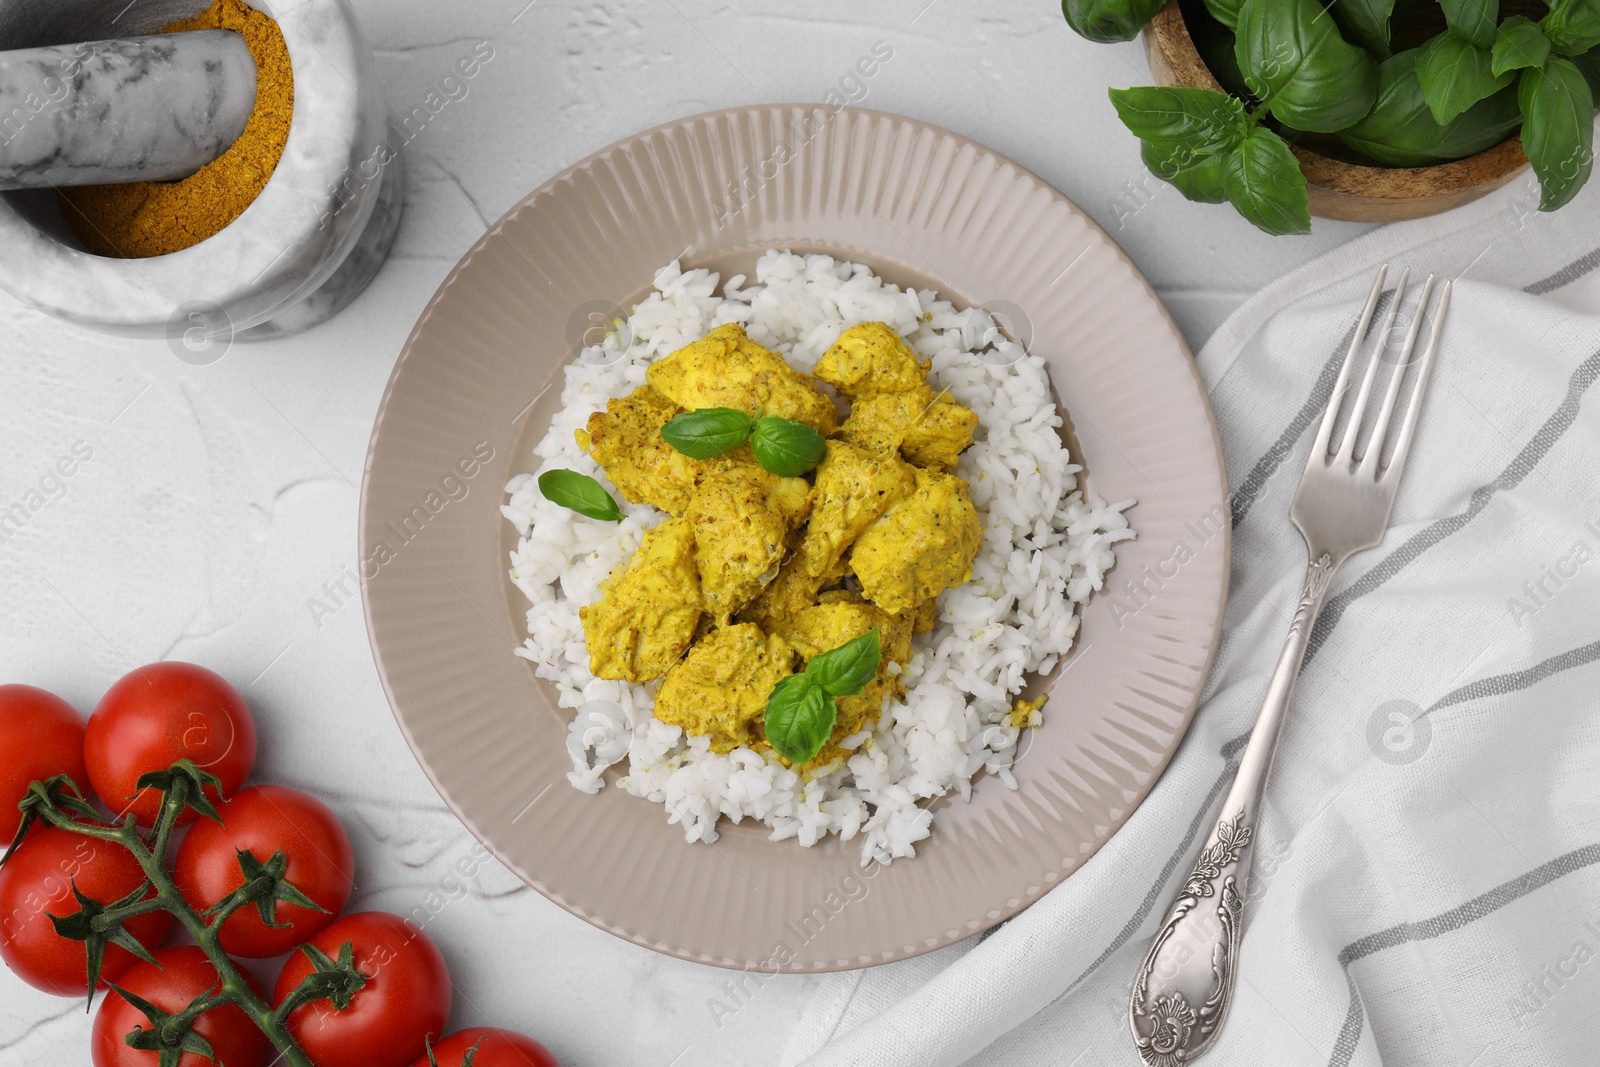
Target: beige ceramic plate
x=475, y=388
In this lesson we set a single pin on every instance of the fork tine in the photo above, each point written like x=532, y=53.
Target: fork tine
x=1325, y=432
x=1380, y=427
x=1402, y=443
x=1347, y=446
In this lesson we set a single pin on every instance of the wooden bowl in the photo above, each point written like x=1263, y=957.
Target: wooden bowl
x=1340, y=189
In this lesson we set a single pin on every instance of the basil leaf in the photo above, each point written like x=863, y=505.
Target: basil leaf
x=579, y=492
x=1573, y=26
x=1455, y=74
x=1521, y=44
x=708, y=432
x=800, y=716
x=1264, y=182
x=1295, y=61
x=1190, y=122
x=1106, y=21
x=1557, y=129
x=1400, y=130
x=1366, y=23
x=1224, y=11
x=1198, y=179
x=787, y=448
x=1473, y=20
x=846, y=671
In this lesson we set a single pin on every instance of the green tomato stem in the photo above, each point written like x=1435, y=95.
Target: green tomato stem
x=234, y=989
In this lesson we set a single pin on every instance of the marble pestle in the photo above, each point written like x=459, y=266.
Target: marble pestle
x=144, y=109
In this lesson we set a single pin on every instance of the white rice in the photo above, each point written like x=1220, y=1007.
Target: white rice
x=1045, y=551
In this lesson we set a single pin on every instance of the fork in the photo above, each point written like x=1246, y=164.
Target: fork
x=1184, y=988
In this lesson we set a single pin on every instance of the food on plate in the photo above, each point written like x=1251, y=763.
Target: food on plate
x=179, y=976
x=406, y=995
x=924, y=496
x=41, y=736
x=489, y=1048
x=725, y=369
x=909, y=534
x=42, y=879
x=257, y=825
x=650, y=610
x=741, y=521
x=156, y=715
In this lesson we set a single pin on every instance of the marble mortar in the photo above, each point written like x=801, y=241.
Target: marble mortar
x=305, y=248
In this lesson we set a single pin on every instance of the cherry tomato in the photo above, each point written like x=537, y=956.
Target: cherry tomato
x=185, y=973
x=496, y=1048
x=41, y=736
x=406, y=998
x=36, y=882
x=262, y=820
x=157, y=715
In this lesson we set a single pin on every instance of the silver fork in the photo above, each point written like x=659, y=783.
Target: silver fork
x=1182, y=992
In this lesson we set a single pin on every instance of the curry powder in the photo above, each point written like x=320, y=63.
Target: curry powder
x=144, y=219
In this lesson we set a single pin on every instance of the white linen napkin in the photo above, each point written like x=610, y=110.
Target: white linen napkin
x=1427, y=877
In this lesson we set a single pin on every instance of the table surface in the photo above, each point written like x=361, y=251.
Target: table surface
x=216, y=520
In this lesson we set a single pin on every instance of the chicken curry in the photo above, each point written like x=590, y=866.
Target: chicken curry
x=754, y=574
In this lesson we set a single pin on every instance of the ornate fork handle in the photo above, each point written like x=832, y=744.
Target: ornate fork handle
x=1184, y=989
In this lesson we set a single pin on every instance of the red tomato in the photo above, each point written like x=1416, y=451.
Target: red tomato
x=262, y=820
x=157, y=715
x=184, y=974
x=406, y=998
x=41, y=736
x=37, y=882
x=496, y=1048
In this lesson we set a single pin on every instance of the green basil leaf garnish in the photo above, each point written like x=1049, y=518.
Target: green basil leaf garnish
x=1573, y=26
x=1106, y=21
x=1264, y=182
x=1473, y=19
x=787, y=448
x=1199, y=121
x=847, y=670
x=1401, y=131
x=1366, y=23
x=800, y=716
x=579, y=492
x=1198, y=179
x=1294, y=59
x=1557, y=128
x=708, y=432
x=1455, y=74
x=1521, y=44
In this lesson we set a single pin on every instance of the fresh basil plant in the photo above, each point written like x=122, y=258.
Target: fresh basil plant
x=1299, y=67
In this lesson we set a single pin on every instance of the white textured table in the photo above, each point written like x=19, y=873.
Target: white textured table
x=216, y=519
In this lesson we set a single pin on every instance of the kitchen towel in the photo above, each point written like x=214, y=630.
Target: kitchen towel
x=1427, y=873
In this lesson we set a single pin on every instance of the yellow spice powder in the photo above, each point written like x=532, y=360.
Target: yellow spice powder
x=155, y=218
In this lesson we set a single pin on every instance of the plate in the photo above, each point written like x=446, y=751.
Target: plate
x=474, y=390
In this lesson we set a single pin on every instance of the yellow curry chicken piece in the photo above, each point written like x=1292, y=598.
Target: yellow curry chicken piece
x=853, y=488
x=742, y=519
x=842, y=617
x=725, y=369
x=920, y=547
x=928, y=429
x=625, y=439
x=894, y=410
x=869, y=359
x=648, y=612
x=721, y=687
